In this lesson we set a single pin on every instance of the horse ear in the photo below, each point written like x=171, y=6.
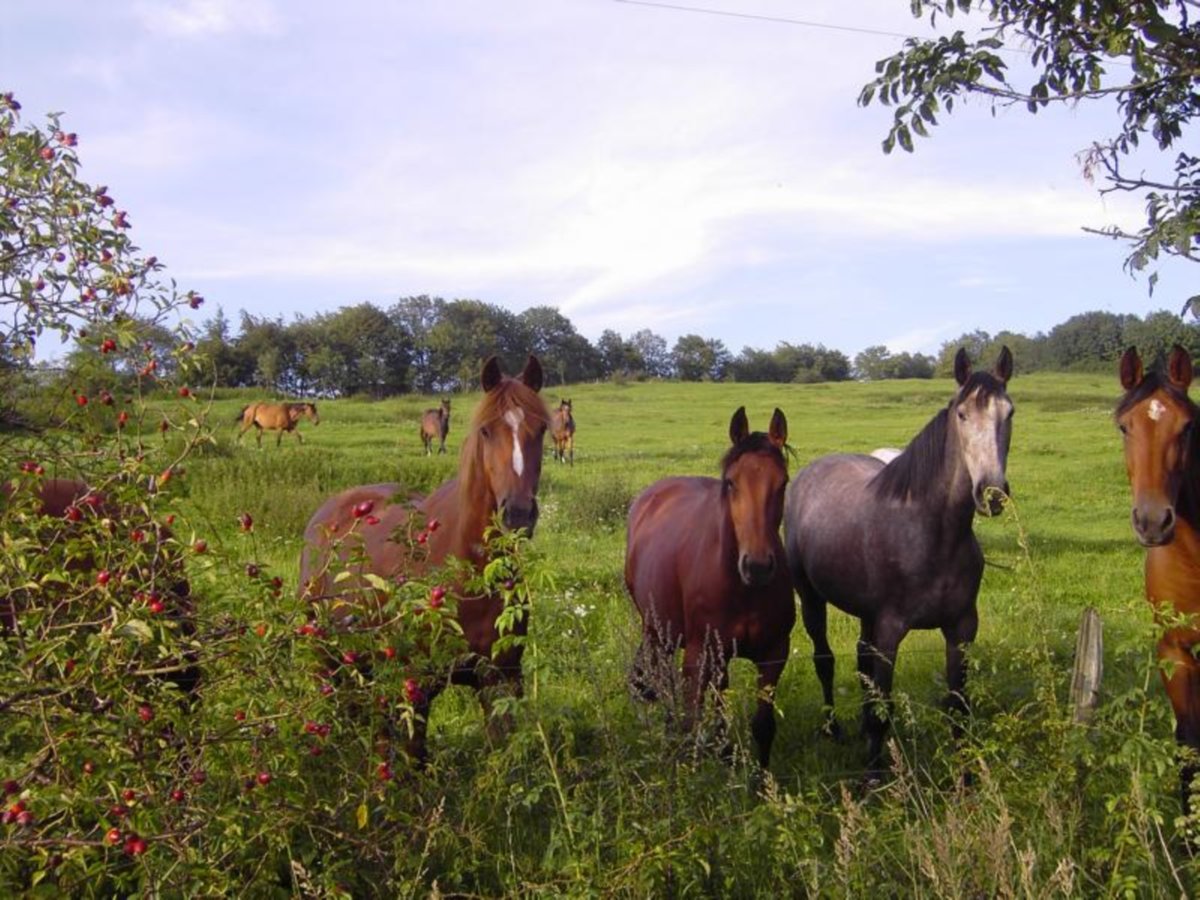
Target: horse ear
x=777, y=434
x=1131, y=369
x=1004, y=365
x=739, y=426
x=962, y=366
x=1179, y=368
x=532, y=374
x=491, y=374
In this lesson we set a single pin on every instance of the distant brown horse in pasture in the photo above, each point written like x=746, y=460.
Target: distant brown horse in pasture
x=498, y=472
x=281, y=417
x=892, y=543
x=1156, y=418
x=435, y=425
x=705, y=567
x=562, y=432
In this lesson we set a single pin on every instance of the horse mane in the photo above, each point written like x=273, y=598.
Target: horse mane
x=923, y=461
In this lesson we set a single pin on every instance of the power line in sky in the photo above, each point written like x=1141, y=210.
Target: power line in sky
x=779, y=20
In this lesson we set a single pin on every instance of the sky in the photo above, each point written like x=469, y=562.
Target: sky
x=633, y=165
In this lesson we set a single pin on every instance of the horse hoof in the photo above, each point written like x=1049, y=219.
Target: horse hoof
x=832, y=730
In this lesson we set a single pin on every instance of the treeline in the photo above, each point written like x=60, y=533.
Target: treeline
x=426, y=344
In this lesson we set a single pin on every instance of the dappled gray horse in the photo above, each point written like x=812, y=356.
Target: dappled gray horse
x=893, y=544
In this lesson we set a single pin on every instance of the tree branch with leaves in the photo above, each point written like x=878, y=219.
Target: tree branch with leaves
x=1145, y=53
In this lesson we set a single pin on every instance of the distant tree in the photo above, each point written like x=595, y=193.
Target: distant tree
x=809, y=363
x=756, y=366
x=272, y=350
x=565, y=354
x=416, y=317
x=699, y=359
x=1158, y=332
x=976, y=343
x=1145, y=55
x=872, y=363
x=1090, y=341
x=468, y=332
x=230, y=368
x=656, y=359
x=615, y=355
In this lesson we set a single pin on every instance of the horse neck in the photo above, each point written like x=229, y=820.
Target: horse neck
x=1187, y=507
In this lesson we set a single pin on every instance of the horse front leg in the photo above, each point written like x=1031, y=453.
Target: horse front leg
x=705, y=670
x=1181, y=677
x=763, y=725
x=877, y=712
x=958, y=636
x=813, y=611
x=500, y=680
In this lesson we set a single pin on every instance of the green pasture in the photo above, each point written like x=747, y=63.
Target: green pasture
x=594, y=795
x=1065, y=544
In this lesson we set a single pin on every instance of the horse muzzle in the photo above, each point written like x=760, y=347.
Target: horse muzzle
x=756, y=572
x=1153, y=525
x=989, y=499
x=519, y=517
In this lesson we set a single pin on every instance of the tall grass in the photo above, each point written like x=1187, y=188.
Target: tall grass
x=594, y=794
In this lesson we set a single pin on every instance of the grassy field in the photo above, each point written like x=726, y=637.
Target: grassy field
x=594, y=794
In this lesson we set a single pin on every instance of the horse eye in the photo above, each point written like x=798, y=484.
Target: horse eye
x=1123, y=428
x=1011, y=413
x=962, y=416
x=728, y=485
x=483, y=431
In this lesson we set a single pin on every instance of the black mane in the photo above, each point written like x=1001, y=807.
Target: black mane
x=923, y=461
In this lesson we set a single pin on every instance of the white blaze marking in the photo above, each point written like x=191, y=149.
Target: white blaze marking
x=514, y=417
x=1156, y=410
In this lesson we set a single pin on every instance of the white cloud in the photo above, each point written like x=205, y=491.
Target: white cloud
x=204, y=18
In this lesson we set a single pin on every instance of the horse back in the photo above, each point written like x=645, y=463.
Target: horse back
x=866, y=554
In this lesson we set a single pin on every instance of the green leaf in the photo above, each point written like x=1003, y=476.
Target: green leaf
x=362, y=816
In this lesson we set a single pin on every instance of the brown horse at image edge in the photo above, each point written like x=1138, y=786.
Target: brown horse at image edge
x=705, y=567
x=499, y=469
x=1156, y=418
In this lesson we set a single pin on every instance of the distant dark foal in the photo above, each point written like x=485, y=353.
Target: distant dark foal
x=705, y=568
x=435, y=426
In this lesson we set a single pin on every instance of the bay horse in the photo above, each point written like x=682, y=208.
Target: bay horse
x=499, y=468
x=281, y=417
x=435, y=425
x=704, y=566
x=1155, y=417
x=562, y=432
x=892, y=543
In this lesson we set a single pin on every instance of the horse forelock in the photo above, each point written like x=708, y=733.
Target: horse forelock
x=984, y=386
x=1152, y=384
x=757, y=442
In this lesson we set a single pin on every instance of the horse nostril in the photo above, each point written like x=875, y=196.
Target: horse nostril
x=1168, y=520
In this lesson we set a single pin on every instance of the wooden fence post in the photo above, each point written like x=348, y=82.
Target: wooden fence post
x=1089, y=666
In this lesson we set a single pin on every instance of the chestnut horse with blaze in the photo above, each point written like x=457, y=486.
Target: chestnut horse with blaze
x=1156, y=419
x=705, y=567
x=498, y=471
